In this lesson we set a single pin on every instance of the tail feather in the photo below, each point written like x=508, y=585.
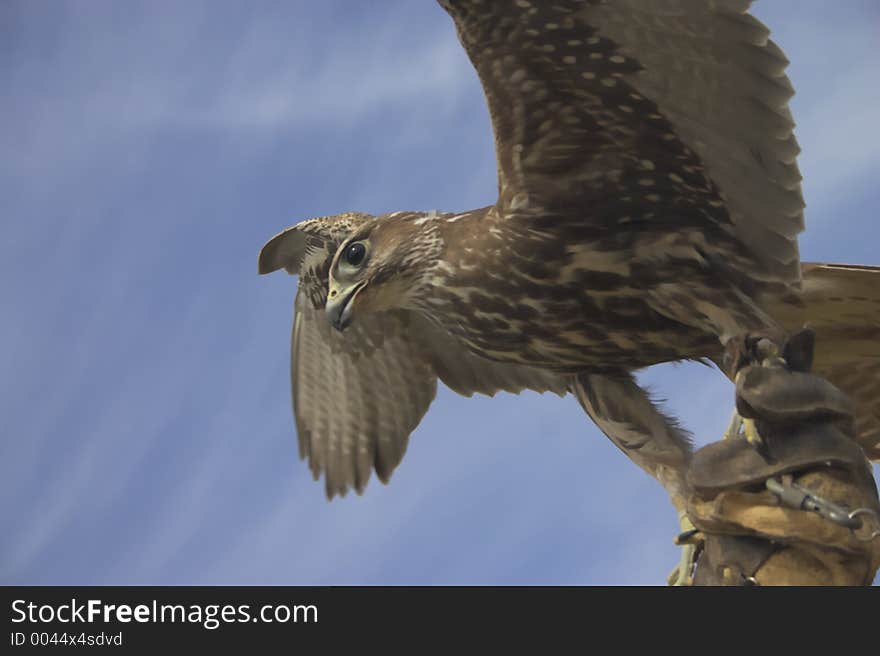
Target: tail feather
x=842, y=304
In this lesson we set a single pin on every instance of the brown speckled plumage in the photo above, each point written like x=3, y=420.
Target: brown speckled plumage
x=648, y=210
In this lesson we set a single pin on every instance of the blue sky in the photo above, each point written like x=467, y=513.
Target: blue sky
x=148, y=149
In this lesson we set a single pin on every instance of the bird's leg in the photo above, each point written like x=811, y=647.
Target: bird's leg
x=734, y=428
x=752, y=350
x=775, y=351
x=625, y=413
x=748, y=334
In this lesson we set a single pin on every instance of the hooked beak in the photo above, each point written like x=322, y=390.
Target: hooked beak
x=339, y=304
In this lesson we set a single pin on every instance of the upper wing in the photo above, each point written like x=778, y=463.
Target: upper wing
x=611, y=110
x=357, y=395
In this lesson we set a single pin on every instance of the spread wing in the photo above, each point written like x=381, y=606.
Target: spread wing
x=358, y=394
x=608, y=111
x=841, y=303
x=860, y=380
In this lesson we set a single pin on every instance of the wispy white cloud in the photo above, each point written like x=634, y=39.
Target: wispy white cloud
x=356, y=79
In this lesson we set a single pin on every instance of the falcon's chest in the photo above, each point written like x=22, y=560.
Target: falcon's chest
x=519, y=295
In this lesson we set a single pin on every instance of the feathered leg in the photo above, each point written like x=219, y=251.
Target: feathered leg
x=625, y=413
x=746, y=332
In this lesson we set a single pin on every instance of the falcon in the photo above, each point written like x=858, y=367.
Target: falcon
x=649, y=203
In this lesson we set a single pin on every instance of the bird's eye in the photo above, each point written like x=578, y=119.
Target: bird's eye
x=355, y=253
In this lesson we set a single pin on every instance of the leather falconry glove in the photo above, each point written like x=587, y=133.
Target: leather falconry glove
x=802, y=508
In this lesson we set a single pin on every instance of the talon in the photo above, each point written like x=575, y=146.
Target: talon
x=693, y=536
x=689, y=539
x=688, y=557
x=766, y=350
x=761, y=351
x=740, y=427
x=753, y=437
x=734, y=429
x=747, y=349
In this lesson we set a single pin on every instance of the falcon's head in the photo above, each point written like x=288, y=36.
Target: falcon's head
x=385, y=264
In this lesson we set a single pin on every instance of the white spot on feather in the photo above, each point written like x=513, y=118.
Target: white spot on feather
x=429, y=217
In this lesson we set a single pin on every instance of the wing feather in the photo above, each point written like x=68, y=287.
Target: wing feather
x=842, y=304
x=677, y=104
x=358, y=395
